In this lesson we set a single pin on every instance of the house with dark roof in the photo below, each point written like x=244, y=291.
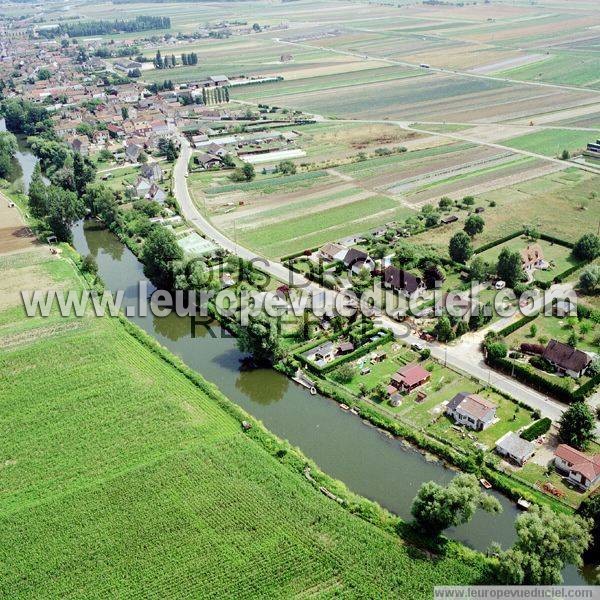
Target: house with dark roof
x=408, y=378
x=566, y=359
x=357, y=260
x=402, y=281
x=207, y=161
x=580, y=469
x=471, y=410
x=513, y=447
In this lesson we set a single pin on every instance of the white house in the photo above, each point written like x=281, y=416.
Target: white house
x=580, y=469
x=471, y=410
x=515, y=448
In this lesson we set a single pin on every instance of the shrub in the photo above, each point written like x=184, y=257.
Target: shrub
x=532, y=348
x=535, y=430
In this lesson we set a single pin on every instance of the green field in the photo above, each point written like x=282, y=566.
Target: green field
x=568, y=68
x=551, y=142
x=121, y=477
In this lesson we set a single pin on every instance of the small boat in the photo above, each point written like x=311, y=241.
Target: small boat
x=344, y=407
x=313, y=391
x=353, y=411
x=485, y=483
x=523, y=504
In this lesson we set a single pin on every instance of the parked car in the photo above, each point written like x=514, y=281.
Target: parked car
x=500, y=285
x=417, y=347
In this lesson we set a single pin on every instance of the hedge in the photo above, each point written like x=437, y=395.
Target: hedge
x=517, y=325
x=297, y=254
x=555, y=240
x=530, y=377
x=535, y=430
x=358, y=353
x=497, y=242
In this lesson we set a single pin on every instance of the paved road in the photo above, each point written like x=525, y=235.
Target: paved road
x=464, y=356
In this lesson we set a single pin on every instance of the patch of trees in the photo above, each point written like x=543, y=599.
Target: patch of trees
x=577, y=426
x=25, y=117
x=87, y=28
x=587, y=247
x=189, y=59
x=164, y=62
x=215, y=95
x=167, y=84
x=8, y=148
x=168, y=148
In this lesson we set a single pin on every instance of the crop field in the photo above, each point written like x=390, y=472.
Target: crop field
x=560, y=204
x=121, y=476
x=569, y=69
x=552, y=142
x=346, y=212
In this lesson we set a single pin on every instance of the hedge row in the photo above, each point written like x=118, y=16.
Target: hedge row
x=535, y=430
x=297, y=254
x=555, y=240
x=358, y=353
x=497, y=242
x=517, y=325
x=530, y=377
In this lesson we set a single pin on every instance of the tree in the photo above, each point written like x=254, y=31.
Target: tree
x=432, y=273
x=510, y=267
x=8, y=148
x=89, y=265
x=443, y=329
x=37, y=193
x=474, y=225
x=101, y=202
x=546, y=542
x=496, y=349
x=577, y=425
x=63, y=208
x=460, y=248
x=124, y=113
x=345, y=373
x=84, y=172
x=248, y=171
x=590, y=509
x=589, y=279
x=261, y=339
x=480, y=270
x=587, y=247
x=286, y=167
x=436, y=508
x=445, y=203
x=159, y=253
x=468, y=200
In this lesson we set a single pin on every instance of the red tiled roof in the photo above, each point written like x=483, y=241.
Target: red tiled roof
x=588, y=466
x=412, y=375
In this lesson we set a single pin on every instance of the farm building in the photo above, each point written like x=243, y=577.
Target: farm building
x=515, y=448
x=471, y=410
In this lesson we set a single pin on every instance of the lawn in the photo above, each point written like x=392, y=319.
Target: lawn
x=559, y=257
x=547, y=327
x=121, y=478
x=444, y=384
x=552, y=142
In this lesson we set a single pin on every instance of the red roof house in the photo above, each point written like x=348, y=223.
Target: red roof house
x=580, y=469
x=409, y=377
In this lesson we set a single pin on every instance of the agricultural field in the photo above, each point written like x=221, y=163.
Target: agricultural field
x=120, y=475
x=552, y=142
x=570, y=194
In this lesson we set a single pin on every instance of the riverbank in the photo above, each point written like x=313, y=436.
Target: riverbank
x=135, y=473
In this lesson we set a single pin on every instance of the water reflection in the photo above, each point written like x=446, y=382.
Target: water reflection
x=252, y=384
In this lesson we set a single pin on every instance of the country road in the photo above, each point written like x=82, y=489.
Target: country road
x=464, y=356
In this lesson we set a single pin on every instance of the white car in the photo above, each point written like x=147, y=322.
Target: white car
x=500, y=285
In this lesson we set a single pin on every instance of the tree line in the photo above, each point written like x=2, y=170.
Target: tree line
x=87, y=28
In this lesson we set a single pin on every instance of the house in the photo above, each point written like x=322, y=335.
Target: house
x=532, y=257
x=215, y=150
x=132, y=152
x=345, y=348
x=80, y=145
x=580, y=469
x=219, y=80
x=156, y=193
x=151, y=171
x=357, y=260
x=322, y=354
x=515, y=448
x=207, y=161
x=142, y=187
x=402, y=281
x=286, y=58
x=471, y=410
x=566, y=359
x=408, y=378
x=331, y=252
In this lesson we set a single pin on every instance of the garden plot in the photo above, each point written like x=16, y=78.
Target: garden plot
x=552, y=142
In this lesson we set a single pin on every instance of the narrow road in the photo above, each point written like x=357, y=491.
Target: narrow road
x=462, y=356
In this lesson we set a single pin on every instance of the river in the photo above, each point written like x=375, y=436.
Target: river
x=369, y=462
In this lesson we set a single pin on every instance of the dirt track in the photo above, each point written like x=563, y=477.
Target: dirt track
x=14, y=236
